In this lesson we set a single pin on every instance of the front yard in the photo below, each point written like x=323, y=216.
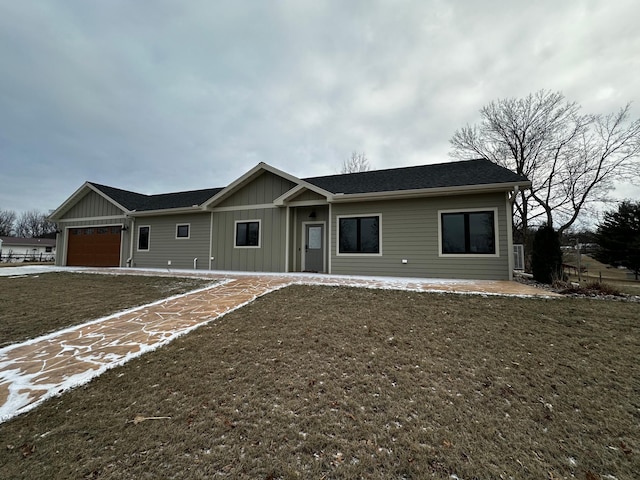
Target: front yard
x=324, y=382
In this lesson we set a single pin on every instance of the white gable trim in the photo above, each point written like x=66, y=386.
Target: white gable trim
x=78, y=195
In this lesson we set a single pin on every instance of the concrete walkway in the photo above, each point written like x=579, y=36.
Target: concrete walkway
x=32, y=371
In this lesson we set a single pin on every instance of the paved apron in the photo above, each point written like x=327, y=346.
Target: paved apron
x=37, y=369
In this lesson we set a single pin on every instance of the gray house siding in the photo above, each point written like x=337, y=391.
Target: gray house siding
x=409, y=231
x=300, y=216
x=263, y=189
x=309, y=195
x=269, y=257
x=92, y=205
x=165, y=247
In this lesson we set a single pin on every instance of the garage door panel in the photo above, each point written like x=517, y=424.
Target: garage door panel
x=94, y=246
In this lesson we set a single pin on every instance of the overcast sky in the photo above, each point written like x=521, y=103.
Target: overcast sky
x=180, y=95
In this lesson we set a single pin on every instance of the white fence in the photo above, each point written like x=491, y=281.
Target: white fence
x=11, y=257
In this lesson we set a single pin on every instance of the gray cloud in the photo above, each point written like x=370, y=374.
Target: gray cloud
x=187, y=95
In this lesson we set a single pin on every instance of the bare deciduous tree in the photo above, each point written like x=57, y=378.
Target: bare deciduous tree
x=572, y=159
x=7, y=219
x=34, y=224
x=358, y=162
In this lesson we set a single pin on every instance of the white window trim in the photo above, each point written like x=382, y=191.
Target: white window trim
x=359, y=255
x=496, y=233
x=188, y=225
x=235, y=233
x=138, y=249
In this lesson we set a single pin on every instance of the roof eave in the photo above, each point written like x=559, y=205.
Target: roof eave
x=167, y=211
x=429, y=192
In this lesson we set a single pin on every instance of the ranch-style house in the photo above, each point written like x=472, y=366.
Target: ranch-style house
x=447, y=220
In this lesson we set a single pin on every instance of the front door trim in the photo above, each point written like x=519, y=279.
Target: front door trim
x=303, y=241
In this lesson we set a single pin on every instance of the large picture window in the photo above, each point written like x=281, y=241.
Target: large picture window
x=143, y=237
x=359, y=234
x=248, y=234
x=468, y=232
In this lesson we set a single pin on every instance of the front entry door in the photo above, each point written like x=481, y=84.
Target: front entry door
x=313, y=258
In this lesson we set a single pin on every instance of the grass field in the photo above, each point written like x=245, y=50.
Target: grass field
x=594, y=271
x=37, y=304
x=324, y=382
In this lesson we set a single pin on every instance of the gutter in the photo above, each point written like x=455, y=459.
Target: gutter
x=427, y=192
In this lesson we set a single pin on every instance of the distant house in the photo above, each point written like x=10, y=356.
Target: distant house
x=448, y=220
x=19, y=249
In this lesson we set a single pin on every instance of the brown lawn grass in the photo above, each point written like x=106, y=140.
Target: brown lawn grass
x=323, y=382
x=38, y=304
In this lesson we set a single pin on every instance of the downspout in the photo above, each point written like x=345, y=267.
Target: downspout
x=286, y=241
x=509, y=215
x=211, y=242
x=132, y=230
x=329, y=242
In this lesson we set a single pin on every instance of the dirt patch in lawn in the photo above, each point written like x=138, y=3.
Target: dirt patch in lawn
x=38, y=304
x=323, y=382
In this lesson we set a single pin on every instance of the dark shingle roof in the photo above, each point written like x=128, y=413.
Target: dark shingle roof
x=139, y=202
x=469, y=172
x=453, y=174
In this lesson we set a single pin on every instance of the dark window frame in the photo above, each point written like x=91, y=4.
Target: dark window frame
x=244, y=239
x=359, y=250
x=467, y=232
x=141, y=247
x=182, y=226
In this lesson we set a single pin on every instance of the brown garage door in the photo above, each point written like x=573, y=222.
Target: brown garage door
x=94, y=247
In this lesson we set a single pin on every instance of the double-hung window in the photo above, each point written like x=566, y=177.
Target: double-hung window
x=247, y=234
x=468, y=232
x=359, y=235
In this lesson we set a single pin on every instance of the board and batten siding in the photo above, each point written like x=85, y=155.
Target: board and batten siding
x=165, y=247
x=269, y=257
x=300, y=217
x=263, y=189
x=92, y=205
x=409, y=230
x=308, y=196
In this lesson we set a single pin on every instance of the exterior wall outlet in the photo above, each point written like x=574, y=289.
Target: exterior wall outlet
x=404, y=260
x=169, y=262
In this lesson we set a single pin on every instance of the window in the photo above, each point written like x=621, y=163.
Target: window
x=182, y=231
x=48, y=249
x=359, y=235
x=248, y=234
x=468, y=233
x=143, y=237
